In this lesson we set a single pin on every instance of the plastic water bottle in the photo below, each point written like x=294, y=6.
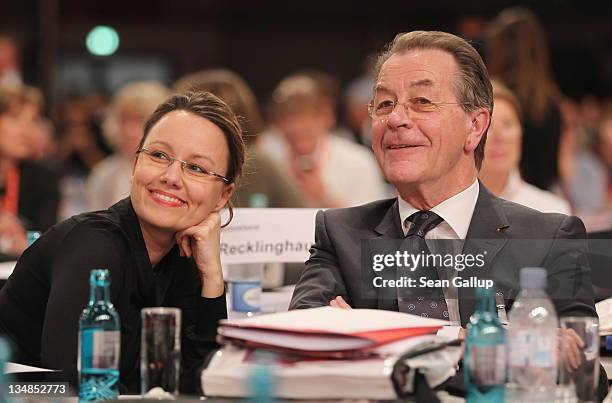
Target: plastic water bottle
x=532, y=339
x=245, y=288
x=99, y=343
x=485, y=352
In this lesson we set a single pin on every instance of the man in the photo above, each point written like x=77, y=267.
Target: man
x=430, y=113
x=330, y=171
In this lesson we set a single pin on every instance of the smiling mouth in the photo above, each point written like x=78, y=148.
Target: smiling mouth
x=167, y=198
x=399, y=146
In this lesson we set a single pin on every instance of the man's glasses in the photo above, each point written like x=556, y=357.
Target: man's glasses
x=189, y=169
x=419, y=105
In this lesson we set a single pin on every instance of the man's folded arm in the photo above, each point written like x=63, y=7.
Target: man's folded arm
x=321, y=281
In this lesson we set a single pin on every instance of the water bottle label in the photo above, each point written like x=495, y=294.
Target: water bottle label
x=246, y=296
x=100, y=348
x=488, y=365
x=529, y=348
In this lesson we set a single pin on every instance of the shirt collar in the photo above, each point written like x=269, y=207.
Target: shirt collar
x=456, y=211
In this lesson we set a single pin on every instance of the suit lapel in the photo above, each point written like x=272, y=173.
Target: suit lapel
x=486, y=235
x=389, y=227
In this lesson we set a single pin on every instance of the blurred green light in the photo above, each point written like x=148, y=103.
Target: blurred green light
x=102, y=41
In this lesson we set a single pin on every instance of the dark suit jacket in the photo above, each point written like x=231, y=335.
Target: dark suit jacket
x=514, y=236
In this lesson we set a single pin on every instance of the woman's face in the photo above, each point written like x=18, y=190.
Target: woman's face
x=503, y=148
x=165, y=198
x=18, y=127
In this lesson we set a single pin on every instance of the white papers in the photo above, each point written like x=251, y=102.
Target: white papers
x=335, y=320
x=370, y=378
x=266, y=235
x=604, y=311
x=227, y=373
x=14, y=368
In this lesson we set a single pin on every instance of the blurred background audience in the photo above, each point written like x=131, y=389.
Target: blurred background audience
x=551, y=129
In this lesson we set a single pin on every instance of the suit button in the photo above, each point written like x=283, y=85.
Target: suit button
x=421, y=233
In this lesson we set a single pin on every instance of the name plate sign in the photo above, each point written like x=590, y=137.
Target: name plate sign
x=267, y=235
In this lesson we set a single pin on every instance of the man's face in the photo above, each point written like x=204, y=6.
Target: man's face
x=503, y=151
x=303, y=131
x=427, y=139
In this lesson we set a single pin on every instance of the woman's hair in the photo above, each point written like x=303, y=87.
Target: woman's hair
x=233, y=90
x=518, y=55
x=17, y=97
x=140, y=98
x=500, y=91
x=210, y=107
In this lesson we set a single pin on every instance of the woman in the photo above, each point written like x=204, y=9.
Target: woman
x=109, y=180
x=518, y=55
x=500, y=167
x=161, y=246
x=29, y=194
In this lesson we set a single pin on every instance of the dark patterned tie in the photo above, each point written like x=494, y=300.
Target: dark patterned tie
x=428, y=302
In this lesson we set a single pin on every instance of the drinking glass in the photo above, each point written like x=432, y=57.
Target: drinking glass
x=160, y=351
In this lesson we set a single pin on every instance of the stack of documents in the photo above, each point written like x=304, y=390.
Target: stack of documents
x=326, y=331
x=326, y=353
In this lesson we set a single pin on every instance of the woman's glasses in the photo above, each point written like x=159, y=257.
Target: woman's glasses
x=189, y=169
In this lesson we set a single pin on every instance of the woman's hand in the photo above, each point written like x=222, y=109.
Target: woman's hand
x=202, y=242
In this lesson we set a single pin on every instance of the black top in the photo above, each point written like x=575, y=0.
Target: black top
x=41, y=303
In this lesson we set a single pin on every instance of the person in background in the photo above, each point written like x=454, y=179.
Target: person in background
x=29, y=192
x=330, y=171
x=10, y=62
x=263, y=184
x=80, y=144
x=500, y=167
x=109, y=180
x=161, y=246
x=356, y=97
x=518, y=56
x=604, y=149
